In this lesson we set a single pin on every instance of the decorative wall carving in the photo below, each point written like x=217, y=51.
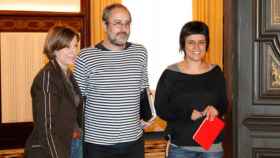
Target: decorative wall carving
x=275, y=75
x=36, y=25
x=275, y=10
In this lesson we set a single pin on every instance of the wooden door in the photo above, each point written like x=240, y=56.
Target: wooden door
x=252, y=48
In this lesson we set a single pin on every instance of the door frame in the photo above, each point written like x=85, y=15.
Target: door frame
x=230, y=70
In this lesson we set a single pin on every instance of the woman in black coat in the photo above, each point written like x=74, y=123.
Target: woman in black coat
x=55, y=98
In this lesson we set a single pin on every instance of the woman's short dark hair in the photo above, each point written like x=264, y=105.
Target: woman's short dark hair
x=58, y=37
x=191, y=28
x=108, y=9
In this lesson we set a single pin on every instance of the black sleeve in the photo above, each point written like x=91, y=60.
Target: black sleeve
x=222, y=92
x=163, y=105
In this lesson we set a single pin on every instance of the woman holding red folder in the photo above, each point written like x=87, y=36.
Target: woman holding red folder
x=190, y=91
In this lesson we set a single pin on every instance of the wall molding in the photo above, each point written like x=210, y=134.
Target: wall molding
x=266, y=152
x=263, y=123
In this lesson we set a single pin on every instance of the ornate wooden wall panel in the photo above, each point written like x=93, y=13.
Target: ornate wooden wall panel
x=41, y=22
x=267, y=52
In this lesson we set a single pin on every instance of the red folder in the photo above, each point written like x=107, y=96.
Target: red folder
x=207, y=132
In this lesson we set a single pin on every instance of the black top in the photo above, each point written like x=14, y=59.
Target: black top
x=177, y=94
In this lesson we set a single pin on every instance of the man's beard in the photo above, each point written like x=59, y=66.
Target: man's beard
x=119, y=41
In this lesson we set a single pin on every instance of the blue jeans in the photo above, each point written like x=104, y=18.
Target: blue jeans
x=76, y=148
x=179, y=152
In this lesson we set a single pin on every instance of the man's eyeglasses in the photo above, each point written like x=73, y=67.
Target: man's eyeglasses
x=192, y=43
x=119, y=24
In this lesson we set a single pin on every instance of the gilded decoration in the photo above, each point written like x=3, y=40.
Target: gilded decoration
x=275, y=9
x=43, y=25
x=275, y=75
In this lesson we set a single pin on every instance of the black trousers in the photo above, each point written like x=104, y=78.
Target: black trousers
x=133, y=149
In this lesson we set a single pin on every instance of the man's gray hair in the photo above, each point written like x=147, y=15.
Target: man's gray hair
x=108, y=9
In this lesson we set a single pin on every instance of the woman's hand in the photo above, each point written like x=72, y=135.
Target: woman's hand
x=196, y=115
x=210, y=112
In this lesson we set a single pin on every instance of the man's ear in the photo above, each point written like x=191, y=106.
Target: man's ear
x=105, y=25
